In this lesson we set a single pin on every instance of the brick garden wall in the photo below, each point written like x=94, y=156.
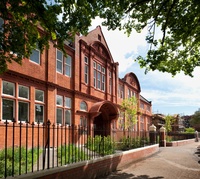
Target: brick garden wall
x=97, y=167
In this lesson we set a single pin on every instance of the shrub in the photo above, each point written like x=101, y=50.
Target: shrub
x=190, y=130
x=128, y=143
x=101, y=145
x=18, y=161
x=70, y=154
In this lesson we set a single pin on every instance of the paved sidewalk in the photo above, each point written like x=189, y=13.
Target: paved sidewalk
x=182, y=162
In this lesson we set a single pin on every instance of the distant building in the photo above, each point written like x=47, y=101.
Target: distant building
x=159, y=120
x=186, y=121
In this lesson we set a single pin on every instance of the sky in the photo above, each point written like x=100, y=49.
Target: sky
x=169, y=95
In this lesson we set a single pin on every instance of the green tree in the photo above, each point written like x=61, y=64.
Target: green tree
x=129, y=106
x=178, y=48
x=169, y=120
x=58, y=21
x=195, y=120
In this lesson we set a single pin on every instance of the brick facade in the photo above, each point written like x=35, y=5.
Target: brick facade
x=83, y=90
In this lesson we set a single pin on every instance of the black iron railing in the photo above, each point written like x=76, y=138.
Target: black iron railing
x=32, y=147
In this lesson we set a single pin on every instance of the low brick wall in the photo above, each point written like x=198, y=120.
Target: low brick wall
x=94, y=168
x=179, y=143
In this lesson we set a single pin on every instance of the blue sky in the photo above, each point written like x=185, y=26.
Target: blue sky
x=169, y=95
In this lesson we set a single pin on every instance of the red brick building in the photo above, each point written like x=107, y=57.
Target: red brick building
x=81, y=89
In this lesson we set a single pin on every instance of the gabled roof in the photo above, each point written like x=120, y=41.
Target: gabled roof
x=132, y=79
x=96, y=39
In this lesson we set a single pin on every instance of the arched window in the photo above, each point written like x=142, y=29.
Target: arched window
x=83, y=106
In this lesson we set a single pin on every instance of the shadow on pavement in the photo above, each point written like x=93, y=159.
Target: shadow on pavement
x=128, y=176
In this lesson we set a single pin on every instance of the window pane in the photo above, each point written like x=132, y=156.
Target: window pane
x=99, y=67
x=8, y=88
x=68, y=117
x=95, y=78
x=86, y=60
x=103, y=70
x=94, y=65
x=59, y=55
x=83, y=106
x=39, y=113
x=7, y=109
x=68, y=102
x=103, y=82
x=59, y=61
x=59, y=66
x=68, y=71
x=86, y=74
x=35, y=56
x=23, y=111
x=99, y=80
x=59, y=100
x=23, y=92
x=59, y=116
x=69, y=60
x=39, y=95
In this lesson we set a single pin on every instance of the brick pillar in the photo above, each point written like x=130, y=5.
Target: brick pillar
x=152, y=134
x=162, y=137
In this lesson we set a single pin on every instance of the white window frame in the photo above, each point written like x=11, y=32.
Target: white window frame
x=21, y=87
x=8, y=83
x=110, y=82
x=83, y=106
x=35, y=61
x=68, y=66
x=59, y=60
x=95, y=74
x=39, y=102
x=64, y=107
x=19, y=119
x=13, y=107
x=86, y=70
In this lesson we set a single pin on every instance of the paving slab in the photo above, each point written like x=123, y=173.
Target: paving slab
x=181, y=162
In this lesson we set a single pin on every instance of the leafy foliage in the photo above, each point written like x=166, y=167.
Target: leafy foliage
x=22, y=160
x=178, y=48
x=190, y=130
x=25, y=20
x=169, y=120
x=101, y=145
x=195, y=120
x=70, y=154
x=129, y=106
x=128, y=143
